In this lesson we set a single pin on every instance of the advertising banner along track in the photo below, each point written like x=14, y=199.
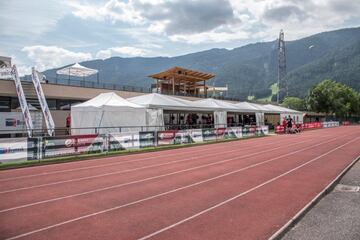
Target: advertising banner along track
x=66, y=145
x=13, y=150
x=126, y=140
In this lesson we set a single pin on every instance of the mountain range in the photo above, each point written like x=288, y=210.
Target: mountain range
x=250, y=70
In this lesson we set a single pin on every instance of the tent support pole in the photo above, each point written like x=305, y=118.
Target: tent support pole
x=102, y=115
x=173, y=85
x=205, y=90
x=157, y=85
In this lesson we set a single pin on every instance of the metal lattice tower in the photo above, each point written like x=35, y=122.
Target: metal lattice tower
x=282, y=85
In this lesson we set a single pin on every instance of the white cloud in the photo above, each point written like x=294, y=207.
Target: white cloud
x=298, y=18
x=123, y=52
x=112, y=10
x=46, y=57
x=216, y=21
x=213, y=37
x=27, y=19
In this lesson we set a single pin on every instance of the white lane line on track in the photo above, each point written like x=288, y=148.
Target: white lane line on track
x=243, y=193
x=151, y=197
x=155, y=177
x=113, y=163
x=130, y=170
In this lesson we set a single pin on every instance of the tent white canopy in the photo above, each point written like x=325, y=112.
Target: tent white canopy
x=253, y=108
x=278, y=109
x=217, y=104
x=106, y=110
x=156, y=100
x=156, y=103
x=249, y=107
x=297, y=116
x=193, y=105
x=220, y=109
x=77, y=70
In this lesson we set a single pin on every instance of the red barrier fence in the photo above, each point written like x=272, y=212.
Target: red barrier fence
x=312, y=125
x=346, y=123
x=279, y=129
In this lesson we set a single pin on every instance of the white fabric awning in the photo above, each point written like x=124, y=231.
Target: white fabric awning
x=110, y=99
x=217, y=105
x=107, y=113
x=277, y=109
x=249, y=107
x=77, y=70
x=155, y=100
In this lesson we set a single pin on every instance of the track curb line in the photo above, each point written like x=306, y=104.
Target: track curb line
x=291, y=223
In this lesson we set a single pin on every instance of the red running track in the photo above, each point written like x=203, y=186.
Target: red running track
x=236, y=190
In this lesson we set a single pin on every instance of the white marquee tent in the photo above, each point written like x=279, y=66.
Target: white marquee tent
x=217, y=104
x=285, y=112
x=253, y=108
x=110, y=110
x=106, y=110
x=155, y=105
x=77, y=70
x=220, y=109
x=159, y=101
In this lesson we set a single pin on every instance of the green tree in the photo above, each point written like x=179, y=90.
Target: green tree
x=333, y=98
x=294, y=103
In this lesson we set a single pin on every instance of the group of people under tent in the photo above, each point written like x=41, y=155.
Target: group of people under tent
x=241, y=120
x=180, y=120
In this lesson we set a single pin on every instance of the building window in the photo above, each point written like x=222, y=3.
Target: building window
x=5, y=104
x=51, y=104
x=63, y=104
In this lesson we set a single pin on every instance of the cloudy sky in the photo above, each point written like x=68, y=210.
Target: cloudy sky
x=53, y=33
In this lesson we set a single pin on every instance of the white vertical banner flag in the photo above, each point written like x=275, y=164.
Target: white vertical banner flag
x=50, y=125
x=22, y=100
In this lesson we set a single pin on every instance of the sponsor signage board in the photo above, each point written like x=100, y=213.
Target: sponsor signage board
x=196, y=135
x=166, y=137
x=233, y=132
x=182, y=137
x=13, y=122
x=209, y=134
x=262, y=130
x=147, y=139
x=57, y=146
x=126, y=140
x=13, y=150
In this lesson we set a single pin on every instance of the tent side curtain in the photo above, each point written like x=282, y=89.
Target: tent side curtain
x=107, y=120
x=154, y=119
x=260, y=119
x=220, y=118
x=297, y=117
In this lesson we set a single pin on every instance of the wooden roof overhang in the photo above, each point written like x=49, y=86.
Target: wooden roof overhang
x=182, y=74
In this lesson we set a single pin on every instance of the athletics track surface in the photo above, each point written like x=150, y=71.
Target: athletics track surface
x=235, y=190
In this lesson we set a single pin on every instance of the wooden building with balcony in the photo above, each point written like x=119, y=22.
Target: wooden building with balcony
x=181, y=81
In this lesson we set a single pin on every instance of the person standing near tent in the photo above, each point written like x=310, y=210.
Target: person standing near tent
x=68, y=124
x=284, y=123
x=289, y=122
